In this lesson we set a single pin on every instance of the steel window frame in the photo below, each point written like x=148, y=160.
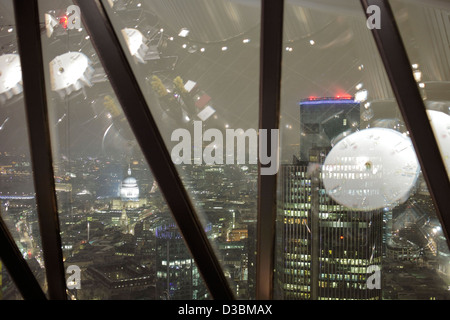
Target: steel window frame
x=272, y=13
x=17, y=267
x=399, y=70
x=33, y=78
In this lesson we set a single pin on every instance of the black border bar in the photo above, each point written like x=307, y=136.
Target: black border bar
x=269, y=114
x=29, y=42
x=17, y=267
x=134, y=105
x=410, y=102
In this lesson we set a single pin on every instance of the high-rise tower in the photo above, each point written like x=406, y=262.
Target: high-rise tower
x=327, y=251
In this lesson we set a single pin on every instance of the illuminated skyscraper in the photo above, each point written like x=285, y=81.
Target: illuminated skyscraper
x=177, y=276
x=328, y=249
x=323, y=122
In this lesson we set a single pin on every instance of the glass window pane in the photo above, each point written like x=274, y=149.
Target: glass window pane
x=197, y=64
x=356, y=220
x=425, y=29
x=17, y=196
x=8, y=290
x=118, y=236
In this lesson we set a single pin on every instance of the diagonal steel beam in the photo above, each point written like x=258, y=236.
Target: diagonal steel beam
x=269, y=114
x=29, y=41
x=410, y=102
x=17, y=267
x=145, y=129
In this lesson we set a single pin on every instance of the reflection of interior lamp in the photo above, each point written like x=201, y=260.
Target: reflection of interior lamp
x=192, y=48
x=70, y=72
x=10, y=76
x=190, y=85
x=440, y=122
x=207, y=112
x=417, y=75
x=136, y=43
x=361, y=95
x=183, y=32
x=50, y=23
x=371, y=169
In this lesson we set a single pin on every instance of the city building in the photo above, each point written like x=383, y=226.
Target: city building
x=129, y=189
x=177, y=276
x=328, y=249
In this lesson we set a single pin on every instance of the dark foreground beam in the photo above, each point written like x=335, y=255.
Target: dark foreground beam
x=17, y=267
x=269, y=115
x=29, y=40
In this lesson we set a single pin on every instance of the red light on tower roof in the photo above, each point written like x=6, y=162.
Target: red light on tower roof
x=344, y=96
x=63, y=21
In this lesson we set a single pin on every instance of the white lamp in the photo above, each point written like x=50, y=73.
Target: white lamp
x=371, y=169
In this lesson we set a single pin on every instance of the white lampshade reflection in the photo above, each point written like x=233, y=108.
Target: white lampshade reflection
x=361, y=95
x=50, y=23
x=10, y=76
x=136, y=43
x=70, y=72
x=440, y=122
x=371, y=169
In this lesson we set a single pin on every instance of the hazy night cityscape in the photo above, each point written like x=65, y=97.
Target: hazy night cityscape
x=115, y=224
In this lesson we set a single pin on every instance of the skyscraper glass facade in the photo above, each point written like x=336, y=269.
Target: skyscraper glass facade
x=328, y=248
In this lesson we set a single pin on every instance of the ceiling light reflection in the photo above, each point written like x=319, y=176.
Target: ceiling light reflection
x=183, y=32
